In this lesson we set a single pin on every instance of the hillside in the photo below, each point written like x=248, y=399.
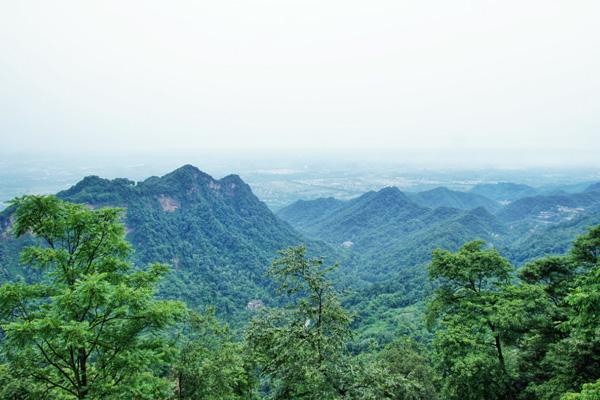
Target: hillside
x=306, y=213
x=386, y=231
x=444, y=197
x=389, y=231
x=550, y=208
x=218, y=236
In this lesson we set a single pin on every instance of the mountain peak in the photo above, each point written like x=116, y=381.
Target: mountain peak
x=232, y=179
x=188, y=170
x=187, y=176
x=391, y=192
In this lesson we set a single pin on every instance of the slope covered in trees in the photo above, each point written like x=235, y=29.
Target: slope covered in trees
x=91, y=326
x=216, y=234
x=397, y=230
x=444, y=197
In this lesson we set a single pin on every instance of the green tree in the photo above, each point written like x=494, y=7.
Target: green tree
x=573, y=358
x=301, y=350
x=211, y=365
x=467, y=305
x=91, y=328
x=406, y=371
x=590, y=391
x=544, y=282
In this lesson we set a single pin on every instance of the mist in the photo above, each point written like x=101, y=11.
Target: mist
x=469, y=83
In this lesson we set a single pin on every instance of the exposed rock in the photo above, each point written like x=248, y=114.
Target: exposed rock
x=168, y=203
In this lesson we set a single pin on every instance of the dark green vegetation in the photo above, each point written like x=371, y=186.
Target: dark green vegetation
x=389, y=230
x=518, y=327
x=91, y=326
x=534, y=337
x=216, y=234
x=389, y=236
x=444, y=197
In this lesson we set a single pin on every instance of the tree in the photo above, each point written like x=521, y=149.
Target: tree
x=590, y=391
x=469, y=344
x=572, y=357
x=211, y=365
x=91, y=327
x=301, y=350
x=586, y=248
x=406, y=371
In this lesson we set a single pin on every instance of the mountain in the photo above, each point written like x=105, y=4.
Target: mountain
x=503, y=191
x=386, y=231
x=305, y=213
x=546, y=224
x=358, y=219
x=550, y=208
x=444, y=197
x=218, y=236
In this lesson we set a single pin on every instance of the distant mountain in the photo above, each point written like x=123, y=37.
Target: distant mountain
x=218, y=236
x=386, y=231
x=354, y=220
x=444, y=197
x=550, y=208
x=503, y=191
x=306, y=213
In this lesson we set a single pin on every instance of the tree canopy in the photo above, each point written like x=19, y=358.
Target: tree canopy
x=92, y=327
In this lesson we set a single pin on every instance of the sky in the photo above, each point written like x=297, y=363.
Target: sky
x=475, y=81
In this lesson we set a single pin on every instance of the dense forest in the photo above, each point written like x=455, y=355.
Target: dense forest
x=90, y=325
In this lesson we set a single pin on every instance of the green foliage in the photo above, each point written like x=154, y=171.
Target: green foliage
x=218, y=237
x=470, y=343
x=80, y=321
x=444, y=197
x=301, y=350
x=590, y=391
x=536, y=338
x=407, y=370
x=586, y=249
x=91, y=328
x=212, y=366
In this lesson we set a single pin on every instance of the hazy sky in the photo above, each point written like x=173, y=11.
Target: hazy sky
x=509, y=80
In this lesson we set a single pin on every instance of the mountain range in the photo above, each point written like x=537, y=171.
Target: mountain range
x=220, y=238
x=215, y=233
x=388, y=229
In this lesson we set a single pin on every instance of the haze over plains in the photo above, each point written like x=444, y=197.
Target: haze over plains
x=506, y=82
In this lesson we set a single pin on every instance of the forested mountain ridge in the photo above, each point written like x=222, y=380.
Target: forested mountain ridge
x=444, y=197
x=91, y=327
x=218, y=236
x=306, y=212
x=402, y=229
